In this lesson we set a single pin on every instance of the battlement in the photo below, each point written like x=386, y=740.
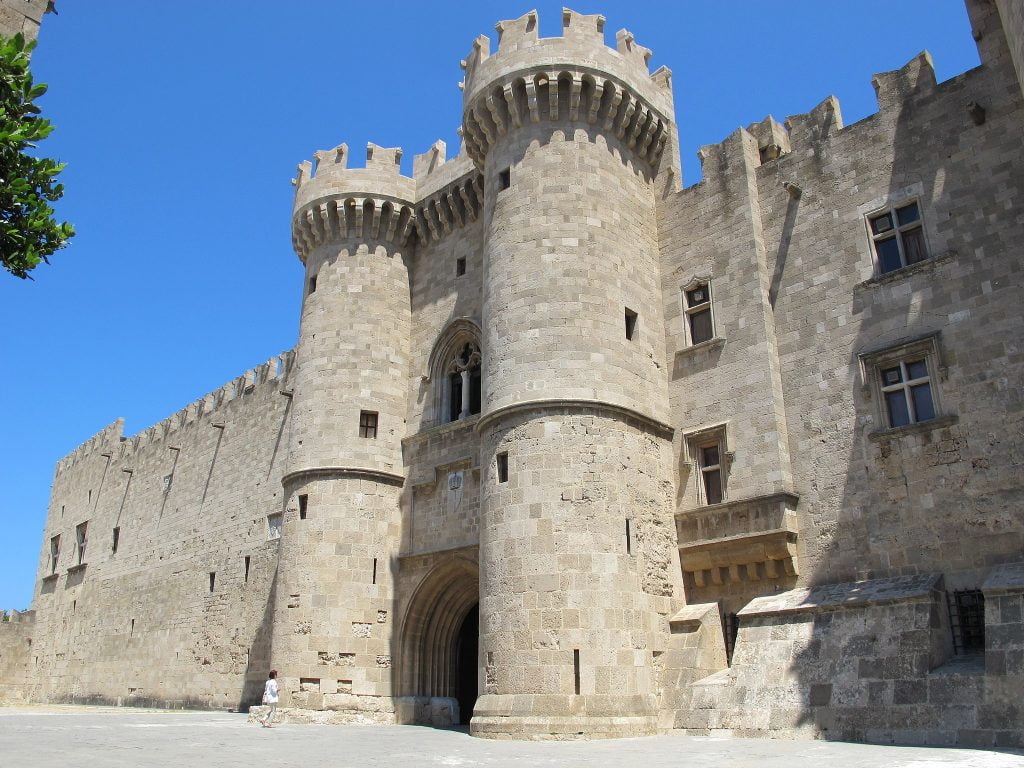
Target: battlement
x=333, y=200
x=577, y=76
x=110, y=441
x=894, y=90
x=331, y=176
x=582, y=40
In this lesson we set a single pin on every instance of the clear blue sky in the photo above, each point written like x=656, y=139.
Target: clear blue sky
x=182, y=123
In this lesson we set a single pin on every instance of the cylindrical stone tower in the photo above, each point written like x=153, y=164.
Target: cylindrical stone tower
x=577, y=533
x=333, y=623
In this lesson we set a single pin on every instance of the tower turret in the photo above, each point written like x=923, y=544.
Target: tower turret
x=576, y=537
x=333, y=622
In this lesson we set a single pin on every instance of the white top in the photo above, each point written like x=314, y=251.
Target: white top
x=270, y=692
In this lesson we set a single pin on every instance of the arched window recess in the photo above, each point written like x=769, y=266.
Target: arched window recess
x=455, y=372
x=463, y=382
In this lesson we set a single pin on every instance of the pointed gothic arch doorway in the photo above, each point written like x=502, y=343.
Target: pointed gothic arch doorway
x=440, y=637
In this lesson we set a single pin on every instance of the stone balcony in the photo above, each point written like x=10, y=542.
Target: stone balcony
x=751, y=539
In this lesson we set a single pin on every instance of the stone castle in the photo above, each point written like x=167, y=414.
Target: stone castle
x=565, y=450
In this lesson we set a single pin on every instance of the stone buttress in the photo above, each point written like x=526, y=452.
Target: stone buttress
x=576, y=521
x=341, y=528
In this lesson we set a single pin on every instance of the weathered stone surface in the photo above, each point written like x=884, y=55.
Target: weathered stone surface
x=505, y=459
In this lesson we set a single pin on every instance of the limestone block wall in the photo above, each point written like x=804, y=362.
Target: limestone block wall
x=573, y=602
x=16, y=634
x=443, y=495
x=440, y=298
x=1012, y=21
x=22, y=16
x=869, y=661
x=799, y=388
x=696, y=650
x=333, y=633
x=939, y=496
x=712, y=234
x=179, y=613
x=573, y=212
x=353, y=356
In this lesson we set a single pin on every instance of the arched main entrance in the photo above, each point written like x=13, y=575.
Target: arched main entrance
x=440, y=637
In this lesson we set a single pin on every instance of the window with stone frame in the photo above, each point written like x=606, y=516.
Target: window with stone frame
x=710, y=461
x=81, y=539
x=897, y=236
x=907, y=389
x=274, y=524
x=699, y=319
x=368, y=424
x=903, y=378
x=54, y=552
x=462, y=380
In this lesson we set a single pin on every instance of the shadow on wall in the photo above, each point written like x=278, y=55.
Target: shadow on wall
x=925, y=504
x=260, y=654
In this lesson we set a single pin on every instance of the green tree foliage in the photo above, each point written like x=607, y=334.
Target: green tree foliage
x=28, y=232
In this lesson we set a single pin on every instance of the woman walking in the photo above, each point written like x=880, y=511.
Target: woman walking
x=270, y=698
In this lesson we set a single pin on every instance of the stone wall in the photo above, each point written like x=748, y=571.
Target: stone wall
x=16, y=660
x=179, y=613
x=22, y=16
x=604, y=576
x=778, y=226
x=869, y=661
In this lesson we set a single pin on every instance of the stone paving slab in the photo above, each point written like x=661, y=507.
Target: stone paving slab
x=95, y=737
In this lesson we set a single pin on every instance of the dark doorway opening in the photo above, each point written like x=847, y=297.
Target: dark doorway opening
x=466, y=660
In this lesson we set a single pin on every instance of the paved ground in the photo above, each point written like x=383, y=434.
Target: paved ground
x=95, y=737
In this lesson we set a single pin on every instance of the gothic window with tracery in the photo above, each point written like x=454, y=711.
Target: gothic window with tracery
x=463, y=383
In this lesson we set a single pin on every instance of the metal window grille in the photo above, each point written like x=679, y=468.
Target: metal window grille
x=967, y=621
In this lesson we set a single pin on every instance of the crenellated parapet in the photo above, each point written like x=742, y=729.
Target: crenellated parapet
x=334, y=202
x=111, y=438
x=574, y=78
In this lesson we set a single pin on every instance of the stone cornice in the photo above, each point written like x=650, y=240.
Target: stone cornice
x=660, y=428
x=330, y=473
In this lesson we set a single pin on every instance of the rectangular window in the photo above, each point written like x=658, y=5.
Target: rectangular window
x=576, y=670
x=902, y=381
x=505, y=179
x=906, y=387
x=710, y=457
x=631, y=318
x=303, y=505
x=460, y=266
x=711, y=473
x=246, y=573
x=629, y=537
x=54, y=552
x=115, y=540
x=699, y=321
x=274, y=525
x=374, y=578
x=312, y=284
x=967, y=621
x=368, y=424
x=213, y=579
x=81, y=539
x=502, y=467
x=898, y=237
